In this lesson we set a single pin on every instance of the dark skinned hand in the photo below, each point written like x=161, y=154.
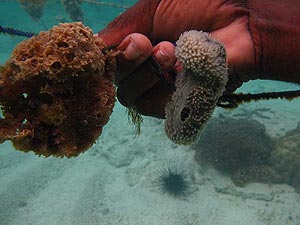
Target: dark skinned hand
x=261, y=38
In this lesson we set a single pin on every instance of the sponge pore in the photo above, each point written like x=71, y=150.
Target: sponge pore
x=57, y=92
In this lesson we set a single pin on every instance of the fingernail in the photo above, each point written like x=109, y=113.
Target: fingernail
x=161, y=56
x=132, y=52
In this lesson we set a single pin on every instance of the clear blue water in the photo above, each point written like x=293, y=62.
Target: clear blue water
x=96, y=17
x=115, y=182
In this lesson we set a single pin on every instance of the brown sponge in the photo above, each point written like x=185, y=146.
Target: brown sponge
x=57, y=92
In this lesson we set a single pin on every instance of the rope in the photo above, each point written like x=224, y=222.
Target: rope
x=231, y=101
x=228, y=101
x=12, y=31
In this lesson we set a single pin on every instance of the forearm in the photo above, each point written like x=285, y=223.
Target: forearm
x=139, y=18
x=275, y=30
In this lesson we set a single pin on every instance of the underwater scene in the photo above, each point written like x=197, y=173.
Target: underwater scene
x=72, y=154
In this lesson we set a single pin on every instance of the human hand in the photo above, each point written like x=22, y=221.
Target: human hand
x=252, y=49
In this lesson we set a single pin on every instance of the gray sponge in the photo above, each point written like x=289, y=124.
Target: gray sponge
x=198, y=87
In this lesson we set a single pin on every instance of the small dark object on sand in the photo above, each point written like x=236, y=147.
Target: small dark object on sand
x=173, y=180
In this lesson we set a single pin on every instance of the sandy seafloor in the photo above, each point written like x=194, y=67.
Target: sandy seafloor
x=114, y=182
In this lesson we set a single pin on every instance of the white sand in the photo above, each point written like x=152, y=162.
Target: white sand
x=113, y=183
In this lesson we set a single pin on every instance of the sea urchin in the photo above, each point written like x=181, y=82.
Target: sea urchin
x=172, y=180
